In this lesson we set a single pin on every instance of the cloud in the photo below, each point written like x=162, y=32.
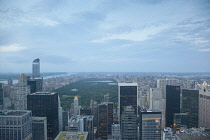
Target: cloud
x=134, y=35
x=12, y=48
x=205, y=50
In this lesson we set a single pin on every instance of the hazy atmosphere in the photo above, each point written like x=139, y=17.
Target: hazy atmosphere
x=105, y=35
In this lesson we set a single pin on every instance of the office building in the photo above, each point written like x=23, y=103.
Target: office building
x=190, y=105
x=157, y=102
x=65, y=120
x=82, y=123
x=129, y=124
x=181, y=120
x=172, y=103
x=116, y=131
x=36, y=68
x=32, y=84
x=23, y=91
x=150, y=125
x=127, y=96
x=94, y=112
x=105, y=119
x=39, y=128
x=1, y=96
x=204, y=106
x=10, y=82
x=85, y=111
x=15, y=125
x=75, y=107
x=39, y=84
x=161, y=83
x=60, y=115
x=45, y=104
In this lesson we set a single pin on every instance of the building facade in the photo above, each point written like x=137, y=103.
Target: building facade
x=127, y=96
x=129, y=124
x=15, y=125
x=150, y=125
x=172, y=103
x=36, y=68
x=190, y=105
x=45, y=104
x=105, y=119
x=39, y=128
x=204, y=106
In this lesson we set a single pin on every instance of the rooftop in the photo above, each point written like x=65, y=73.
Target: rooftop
x=127, y=84
x=13, y=112
x=65, y=135
x=43, y=93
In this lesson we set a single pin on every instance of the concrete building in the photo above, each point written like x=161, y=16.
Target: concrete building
x=150, y=125
x=65, y=120
x=23, y=91
x=82, y=124
x=161, y=83
x=116, y=132
x=128, y=124
x=36, y=68
x=15, y=125
x=157, y=101
x=204, y=106
x=45, y=104
x=60, y=115
x=39, y=128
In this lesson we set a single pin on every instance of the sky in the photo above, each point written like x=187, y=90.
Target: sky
x=105, y=35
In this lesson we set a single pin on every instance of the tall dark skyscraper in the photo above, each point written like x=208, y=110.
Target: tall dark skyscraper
x=1, y=96
x=45, y=104
x=127, y=96
x=36, y=68
x=190, y=105
x=172, y=103
x=105, y=119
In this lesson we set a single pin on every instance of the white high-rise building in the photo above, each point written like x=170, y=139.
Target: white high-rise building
x=23, y=91
x=60, y=115
x=161, y=83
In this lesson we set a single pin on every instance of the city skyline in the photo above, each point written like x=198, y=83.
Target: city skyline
x=105, y=36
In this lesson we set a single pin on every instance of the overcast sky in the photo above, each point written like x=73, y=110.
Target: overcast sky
x=105, y=35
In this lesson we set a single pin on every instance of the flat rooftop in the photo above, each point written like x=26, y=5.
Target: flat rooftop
x=127, y=84
x=65, y=135
x=13, y=112
x=43, y=93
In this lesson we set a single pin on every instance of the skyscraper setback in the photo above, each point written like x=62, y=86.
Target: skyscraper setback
x=36, y=68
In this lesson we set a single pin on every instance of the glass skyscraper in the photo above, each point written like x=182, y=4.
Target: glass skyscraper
x=36, y=68
x=190, y=105
x=172, y=103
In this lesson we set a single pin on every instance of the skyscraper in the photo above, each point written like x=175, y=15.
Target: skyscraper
x=39, y=128
x=150, y=125
x=127, y=96
x=15, y=125
x=36, y=68
x=105, y=119
x=23, y=91
x=204, y=106
x=128, y=124
x=190, y=105
x=45, y=104
x=172, y=103
x=1, y=96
